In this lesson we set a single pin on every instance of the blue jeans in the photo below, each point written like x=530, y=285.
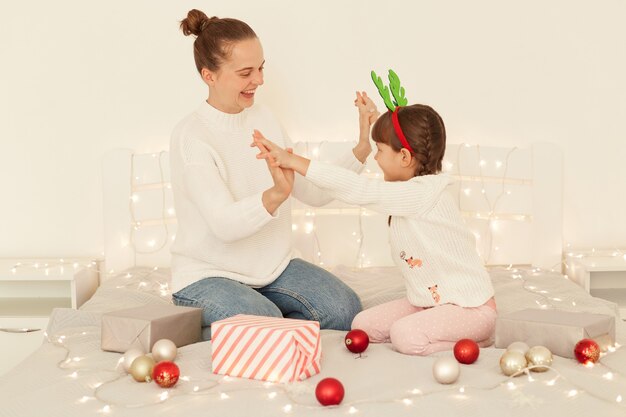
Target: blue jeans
x=302, y=291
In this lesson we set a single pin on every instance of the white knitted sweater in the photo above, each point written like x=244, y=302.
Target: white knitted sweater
x=223, y=228
x=429, y=241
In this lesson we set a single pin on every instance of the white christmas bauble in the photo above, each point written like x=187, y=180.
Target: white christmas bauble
x=520, y=347
x=130, y=356
x=164, y=350
x=512, y=362
x=446, y=370
x=539, y=355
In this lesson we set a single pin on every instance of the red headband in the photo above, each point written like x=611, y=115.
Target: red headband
x=398, y=129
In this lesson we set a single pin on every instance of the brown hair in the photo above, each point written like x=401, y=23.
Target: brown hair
x=424, y=130
x=214, y=37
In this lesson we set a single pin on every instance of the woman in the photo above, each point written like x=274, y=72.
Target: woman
x=233, y=251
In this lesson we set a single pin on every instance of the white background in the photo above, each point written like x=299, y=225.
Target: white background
x=79, y=78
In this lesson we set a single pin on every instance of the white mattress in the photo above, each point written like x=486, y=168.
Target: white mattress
x=70, y=376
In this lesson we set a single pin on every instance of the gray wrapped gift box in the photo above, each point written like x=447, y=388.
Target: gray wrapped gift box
x=141, y=327
x=557, y=330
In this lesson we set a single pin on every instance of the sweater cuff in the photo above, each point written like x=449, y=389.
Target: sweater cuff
x=255, y=213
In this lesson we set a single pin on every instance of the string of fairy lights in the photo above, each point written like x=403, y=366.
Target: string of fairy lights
x=294, y=397
x=222, y=387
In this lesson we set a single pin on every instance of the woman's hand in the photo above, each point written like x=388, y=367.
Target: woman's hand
x=283, y=179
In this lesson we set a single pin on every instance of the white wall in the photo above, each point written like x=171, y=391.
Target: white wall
x=78, y=78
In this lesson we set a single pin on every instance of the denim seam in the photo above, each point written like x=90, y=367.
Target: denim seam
x=195, y=303
x=296, y=296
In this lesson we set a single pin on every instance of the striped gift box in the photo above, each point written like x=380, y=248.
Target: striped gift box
x=266, y=348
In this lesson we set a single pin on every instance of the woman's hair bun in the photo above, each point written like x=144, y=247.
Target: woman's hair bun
x=195, y=22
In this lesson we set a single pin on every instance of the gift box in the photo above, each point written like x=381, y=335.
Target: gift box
x=266, y=348
x=557, y=330
x=141, y=327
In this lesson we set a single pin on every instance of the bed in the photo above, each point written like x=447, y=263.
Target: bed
x=511, y=200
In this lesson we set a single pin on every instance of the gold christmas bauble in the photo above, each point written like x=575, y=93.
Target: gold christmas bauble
x=539, y=355
x=141, y=368
x=512, y=362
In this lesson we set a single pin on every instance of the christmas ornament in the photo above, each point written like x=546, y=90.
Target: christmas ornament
x=130, y=356
x=165, y=373
x=539, y=355
x=329, y=391
x=141, y=368
x=587, y=351
x=446, y=370
x=520, y=347
x=466, y=351
x=512, y=362
x=357, y=341
x=164, y=350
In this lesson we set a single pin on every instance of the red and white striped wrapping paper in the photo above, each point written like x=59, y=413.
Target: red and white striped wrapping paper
x=266, y=348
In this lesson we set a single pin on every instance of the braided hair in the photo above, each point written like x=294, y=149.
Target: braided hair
x=423, y=128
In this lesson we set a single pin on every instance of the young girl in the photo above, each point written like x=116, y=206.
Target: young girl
x=449, y=292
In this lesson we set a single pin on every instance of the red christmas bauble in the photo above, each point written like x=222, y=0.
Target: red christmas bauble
x=165, y=373
x=466, y=351
x=587, y=351
x=329, y=391
x=357, y=341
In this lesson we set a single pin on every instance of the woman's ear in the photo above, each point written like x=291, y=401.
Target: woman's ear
x=208, y=76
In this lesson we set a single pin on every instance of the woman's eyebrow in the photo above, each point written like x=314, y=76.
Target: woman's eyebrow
x=249, y=68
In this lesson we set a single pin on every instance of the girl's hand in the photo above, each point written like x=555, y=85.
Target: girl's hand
x=367, y=116
x=274, y=154
x=367, y=109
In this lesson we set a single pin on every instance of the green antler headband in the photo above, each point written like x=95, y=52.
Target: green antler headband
x=397, y=90
x=398, y=101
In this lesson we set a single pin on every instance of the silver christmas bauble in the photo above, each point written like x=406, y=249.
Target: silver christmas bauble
x=130, y=356
x=446, y=370
x=539, y=355
x=164, y=350
x=512, y=362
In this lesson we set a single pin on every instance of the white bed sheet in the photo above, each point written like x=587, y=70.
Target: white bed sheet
x=70, y=376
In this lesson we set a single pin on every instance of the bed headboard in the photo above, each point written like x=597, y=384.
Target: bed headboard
x=511, y=199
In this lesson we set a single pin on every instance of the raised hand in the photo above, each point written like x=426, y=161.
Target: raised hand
x=274, y=154
x=283, y=179
x=368, y=114
x=367, y=109
x=279, y=157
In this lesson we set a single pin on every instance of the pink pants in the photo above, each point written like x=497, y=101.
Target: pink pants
x=425, y=330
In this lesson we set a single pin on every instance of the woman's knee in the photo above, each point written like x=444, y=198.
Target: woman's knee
x=218, y=305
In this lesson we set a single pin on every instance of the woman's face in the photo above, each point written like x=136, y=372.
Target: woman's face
x=233, y=86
